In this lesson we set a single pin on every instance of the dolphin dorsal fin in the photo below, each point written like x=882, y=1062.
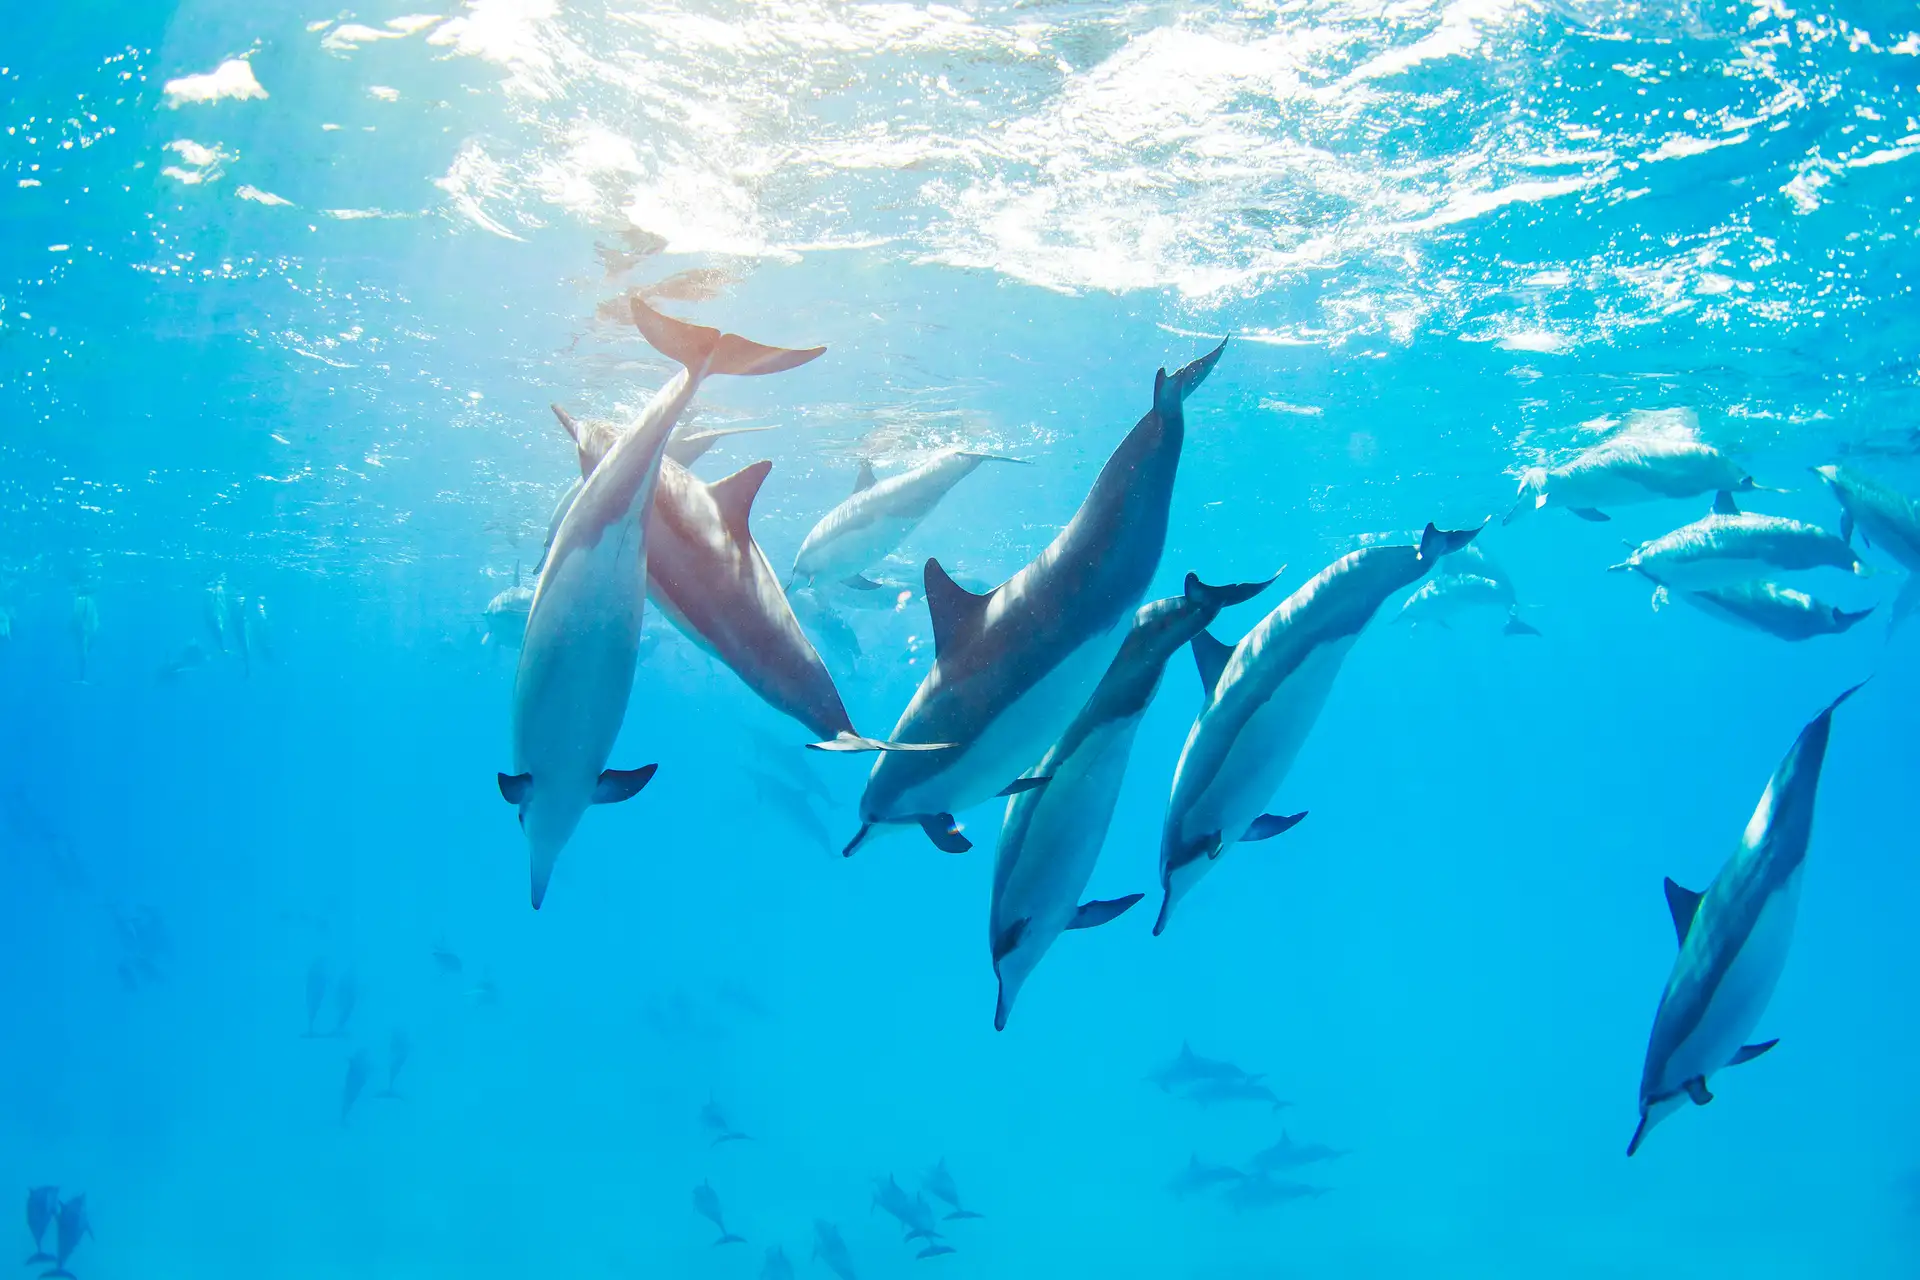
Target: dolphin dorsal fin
x=1724, y=505
x=1683, y=903
x=863, y=479
x=572, y=427
x=734, y=495
x=957, y=613
x=1210, y=655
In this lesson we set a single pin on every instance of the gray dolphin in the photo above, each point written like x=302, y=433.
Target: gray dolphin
x=830, y=1248
x=70, y=1226
x=1014, y=666
x=1262, y=699
x=1729, y=547
x=399, y=1049
x=1629, y=469
x=43, y=1205
x=1200, y=1176
x=1884, y=518
x=359, y=1067
x=583, y=630
x=1057, y=819
x=939, y=1181
x=1454, y=592
x=777, y=1266
x=714, y=1121
x=1288, y=1154
x=706, y=1202
x=877, y=517
x=913, y=1214
x=316, y=993
x=709, y=576
x=1192, y=1068
x=1734, y=940
x=1775, y=610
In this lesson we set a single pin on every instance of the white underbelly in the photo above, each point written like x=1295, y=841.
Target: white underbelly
x=858, y=549
x=1740, y=1000
x=1066, y=828
x=1710, y=572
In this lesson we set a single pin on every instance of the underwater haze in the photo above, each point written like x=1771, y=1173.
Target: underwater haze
x=286, y=295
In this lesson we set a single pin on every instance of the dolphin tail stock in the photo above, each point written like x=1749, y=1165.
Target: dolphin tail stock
x=706, y=351
x=1435, y=542
x=848, y=742
x=1218, y=598
x=727, y=1237
x=1171, y=390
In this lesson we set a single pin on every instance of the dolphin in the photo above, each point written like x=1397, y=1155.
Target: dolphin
x=1884, y=518
x=706, y=1202
x=793, y=806
x=1444, y=597
x=777, y=1266
x=583, y=629
x=70, y=1227
x=346, y=994
x=1775, y=610
x=316, y=993
x=1626, y=470
x=1012, y=667
x=399, y=1048
x=1208, y=1092
x=506, y=614
x=1057, y=820
x=43, y=1204
x=830, y=1248
x=1734, y=939
x=709, y=576
x=216, y=610
x=1288, y=1154
x=714, y=1121
x=1199, y=1176
x=877, y=517
x=1262, y=1192
x=934, y=1251
x=1193, y=1068
x=447, y=958
x=359, y=1067
x=939, y=1181
x=1262, y=699
x=1729, y=547
x=914, y=1216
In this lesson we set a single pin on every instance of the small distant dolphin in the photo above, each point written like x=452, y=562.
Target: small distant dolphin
x=86, y=625
x=776, y=1267
x=346, y=995
x=914, y=1216
x=934, y=1251
x=1262, y=1192
x=259, y=633
x=399, y=1049
x=1012, y=667
x=506, y=614
x=877, y=517
x=1262, y=699
x=1199, y=1176
x=714, y=1121
x=1884, y=518
x=1776, y=611
x=43, y=1205
x=793, y=806
x=706, y=1202
x=1446, y=596
x=70, y=1227
x=1626, y=470
x=1288, y=1154
x=583, y=630
x=1729, y=547
x=215, y=614
x=1208, y=1092
x=1192, y=1068
x=448, y=960
x=191, y=657
x=1057, y=819
x=359, y=1067
x=828, y=1247
x=939, y=1181
x=708, y=575
x=316, y=993
x=1734, y=939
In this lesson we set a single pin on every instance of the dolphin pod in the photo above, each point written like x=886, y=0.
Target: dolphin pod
x=1013, y=666
x=1262, y=698
x=582, y=640
x=1734, y=939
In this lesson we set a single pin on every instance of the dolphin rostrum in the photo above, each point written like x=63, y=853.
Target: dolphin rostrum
x=1729, y=546
x=1262, y=699
x=1733, y=940
x=1012, y=667
x=1776, y=610
x=1057, y=820
x=1884, y=518
x=583, y=630
x=1629, y=469
x=877, y=517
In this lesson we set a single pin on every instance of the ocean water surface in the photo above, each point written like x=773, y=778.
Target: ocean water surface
x=285, y=296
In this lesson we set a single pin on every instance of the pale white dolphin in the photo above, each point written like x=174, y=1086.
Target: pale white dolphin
x=1729, y=547
x=1884, y=518
x=1733, y=940
x=1262, y=699
x=878, y=516
x=1630, y=469
x=1776, y=611
x=583, y=629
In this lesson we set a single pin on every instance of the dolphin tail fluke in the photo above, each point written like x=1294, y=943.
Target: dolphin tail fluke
x=1435, y=543
x=960, y=1214
x=729, y=1238
x=1184, y=383
x=1517, y=627
x=850, y=742
x=1748, y=1052
x=1845, y=620
x=37, y=1258
x=1218, y=598
x=707, y=351
x=56, y=1274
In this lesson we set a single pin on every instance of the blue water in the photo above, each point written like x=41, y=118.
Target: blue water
x=304, y=343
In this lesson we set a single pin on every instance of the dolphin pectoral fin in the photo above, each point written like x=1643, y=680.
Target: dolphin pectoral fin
x=616, y=785
x=1516, y=627
x=1210, y=655
x=1018, y=785
x=1269, y=825
x=1590, y=514
x=1682, y=904
x=849, y=742
x=1093, y=914
x=1697, y=1090
x=944, y=832
x=863, y=479
x=860, y=582
x=1748, y=1052
x=729, y=1238
x=1724, y=505
x=513, y=787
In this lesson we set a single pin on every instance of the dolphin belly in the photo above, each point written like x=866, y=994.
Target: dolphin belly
x=856, y=546
x=1709, y=573
x=1008, y=744
x=1733, y=1009
x=1062, y=827
x=1600, y=489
